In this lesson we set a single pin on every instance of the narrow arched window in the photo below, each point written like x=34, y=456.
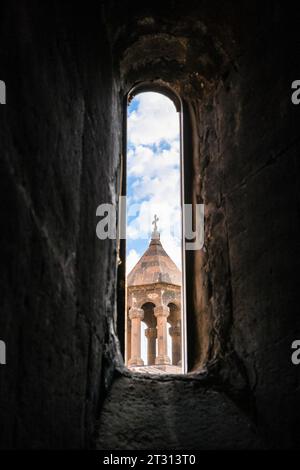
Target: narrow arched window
x=155, y=306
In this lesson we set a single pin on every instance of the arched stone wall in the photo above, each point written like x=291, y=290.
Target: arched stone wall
x=67, y=69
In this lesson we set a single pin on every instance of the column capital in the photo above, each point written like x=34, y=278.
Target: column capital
x=151, y=332
x=135, y=312
x=161, y=311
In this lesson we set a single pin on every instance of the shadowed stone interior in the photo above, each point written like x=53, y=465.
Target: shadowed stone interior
x=184, y=413
x=67, y=69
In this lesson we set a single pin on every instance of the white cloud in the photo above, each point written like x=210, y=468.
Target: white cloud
x=131, y=260
x=169, y=222
x=154, y=120
x=154, y=168
x=161, y=161
x=172, y=246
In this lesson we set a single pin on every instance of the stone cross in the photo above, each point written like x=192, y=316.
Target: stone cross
x=156, y=219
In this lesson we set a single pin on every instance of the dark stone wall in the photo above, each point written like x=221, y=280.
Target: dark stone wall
x=67, y=69
x=249, y=172
x=233, y=65
x=59, y=158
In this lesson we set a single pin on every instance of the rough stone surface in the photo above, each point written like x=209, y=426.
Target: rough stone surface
x=59, y=158
x=181, y=413
x=67, y=69
x=233, y=67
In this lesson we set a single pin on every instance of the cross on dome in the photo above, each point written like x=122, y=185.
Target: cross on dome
x=155, y=234
x=156, y=219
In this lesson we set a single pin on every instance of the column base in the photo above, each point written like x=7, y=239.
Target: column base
x=162, y=360
x=135, y=361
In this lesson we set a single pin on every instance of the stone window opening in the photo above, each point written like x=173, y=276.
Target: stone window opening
x=154, y=321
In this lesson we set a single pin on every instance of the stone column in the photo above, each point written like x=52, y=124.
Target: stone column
x=162, y=312
x=175, y=333
x=151, y=334
x=136, y=315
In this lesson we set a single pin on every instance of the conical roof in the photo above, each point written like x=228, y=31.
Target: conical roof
x=154, y=266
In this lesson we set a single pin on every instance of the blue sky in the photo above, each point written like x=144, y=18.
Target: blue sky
x=153, y=175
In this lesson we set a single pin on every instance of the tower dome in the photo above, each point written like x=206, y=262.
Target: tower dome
x=154, y=298
x=155, y=265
